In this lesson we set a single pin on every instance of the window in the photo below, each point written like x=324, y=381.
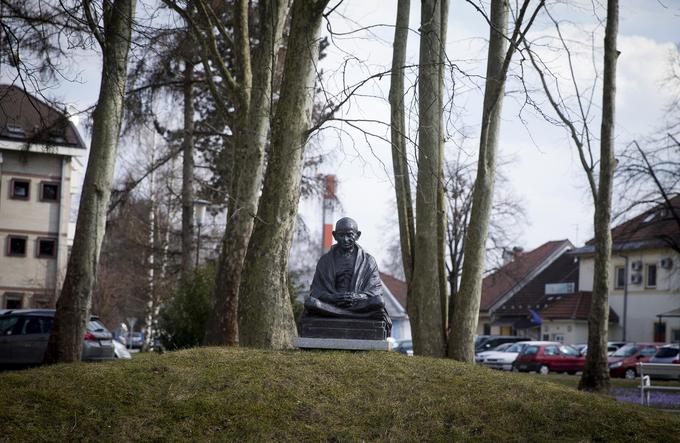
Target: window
x=557, y=337
x=47, y=248
x=11, y=325
x=487, y=329
x=619, y=277
x=57, y=137
x=14, y=130
x=20, y=189
x=530, y=350
x=651, y=276
x=16, y=245
x=675, y=335
x=648, y=352
x=13, y=300
x=49, y=192
x=568, y=350
x=551, y=350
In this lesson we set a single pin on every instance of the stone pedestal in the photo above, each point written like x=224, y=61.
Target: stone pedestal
x=342, y=344
x=338, y=328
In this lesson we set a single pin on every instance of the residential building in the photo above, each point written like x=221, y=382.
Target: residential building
x=513, y=295
x=566, y=319
x=395, y=303
x=37, y=144
x=644, y=273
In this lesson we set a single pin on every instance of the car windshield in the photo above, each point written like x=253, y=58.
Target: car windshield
x=625, y=351
x=96, y=326
x=666, y=352
x=502, y=347
x=516, y=347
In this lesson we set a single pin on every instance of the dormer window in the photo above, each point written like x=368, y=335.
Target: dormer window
x=15, y=130
x=649, y=217
x=57, y=137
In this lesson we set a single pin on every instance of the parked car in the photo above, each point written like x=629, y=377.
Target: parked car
x=544, y=357
x=502, y=359
x=666, y=354
x=404, y=347
x=24, y=334
x=488, y=342
x=136, y=340
x=622, y=362
x=612, y=346
x=479, y=357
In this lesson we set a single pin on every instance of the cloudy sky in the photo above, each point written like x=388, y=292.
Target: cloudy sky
x=543, y=169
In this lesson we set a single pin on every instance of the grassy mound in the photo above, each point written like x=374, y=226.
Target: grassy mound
x=245, y=394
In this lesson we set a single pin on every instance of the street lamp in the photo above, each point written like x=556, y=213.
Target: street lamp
x=199, y=215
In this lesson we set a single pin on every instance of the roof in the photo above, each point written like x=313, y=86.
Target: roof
x=573, y=307
x=396, y=286
x=652, y=228
x=25, y=118
x=563, y=272
x=514, y=275
x=394, y=307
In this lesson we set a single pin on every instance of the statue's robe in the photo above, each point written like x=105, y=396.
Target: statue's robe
x=365, y=281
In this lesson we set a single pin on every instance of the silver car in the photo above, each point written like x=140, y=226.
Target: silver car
x=24, y=334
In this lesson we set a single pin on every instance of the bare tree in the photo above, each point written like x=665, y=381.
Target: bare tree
x=73, y=306
x=466, y=310
x=596, y=373
x=248, y=86
x=507, y=218
x=265, y=311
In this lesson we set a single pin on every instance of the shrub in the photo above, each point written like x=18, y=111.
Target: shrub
x=183, y=319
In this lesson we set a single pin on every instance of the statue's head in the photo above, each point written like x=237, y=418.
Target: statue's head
x=346, y=233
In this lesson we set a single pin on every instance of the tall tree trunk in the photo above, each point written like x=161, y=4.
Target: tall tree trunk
x=596, y=372
x=265, y=313
x=467, y=300
x=73, y=306
x=253, y=125
x=441, y=191
x=151, y=280
x=188, y=172
x=424, y=301
x=402, y=181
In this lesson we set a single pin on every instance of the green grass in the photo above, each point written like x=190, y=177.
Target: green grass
x=252, y=395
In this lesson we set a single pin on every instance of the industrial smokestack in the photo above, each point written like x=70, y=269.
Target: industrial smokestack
x=328, y=209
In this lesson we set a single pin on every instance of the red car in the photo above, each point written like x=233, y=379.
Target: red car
x=622, y=362
x=543, y=357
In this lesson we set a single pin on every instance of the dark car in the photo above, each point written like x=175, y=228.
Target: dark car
x=622, y=362
x=405, y=347
x=488, y=342
x=544, y=357
x=136, y=340
x=24, y=334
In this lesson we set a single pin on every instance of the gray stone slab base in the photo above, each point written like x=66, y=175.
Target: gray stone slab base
x=342, y=344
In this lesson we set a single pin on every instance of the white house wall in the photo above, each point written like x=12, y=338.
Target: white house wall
x=565, y=331
x=644, y=304
x=33, y=219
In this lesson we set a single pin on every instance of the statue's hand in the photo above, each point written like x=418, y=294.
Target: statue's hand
x=346, y=299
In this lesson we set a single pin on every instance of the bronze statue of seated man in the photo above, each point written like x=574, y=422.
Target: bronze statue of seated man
x=346, y=283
